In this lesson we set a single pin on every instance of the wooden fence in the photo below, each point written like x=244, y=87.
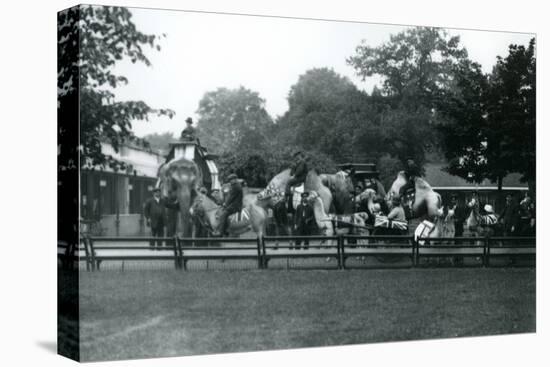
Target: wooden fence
x=95, y=250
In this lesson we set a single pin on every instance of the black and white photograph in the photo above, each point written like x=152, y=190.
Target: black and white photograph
x=240, y=183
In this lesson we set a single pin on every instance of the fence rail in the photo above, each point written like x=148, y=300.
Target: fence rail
x=94, y=250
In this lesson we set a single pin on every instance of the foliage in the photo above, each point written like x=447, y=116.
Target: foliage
x=414, y=64
x=511, y=119
x=232, y=119
x=463, y=123
x=490, y=131
x=91, y=39
x=388, y=167
x=160, y=141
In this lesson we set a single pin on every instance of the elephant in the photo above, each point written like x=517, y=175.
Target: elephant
x=178, y=181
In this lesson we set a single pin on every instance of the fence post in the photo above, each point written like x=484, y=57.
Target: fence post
x=259, y=241
x=416, y=245
x=177, y=263
x=487, y=251
x=341, y=257
x=92, y=254
x=180, y=251
x=85, y=242
x=413, y=250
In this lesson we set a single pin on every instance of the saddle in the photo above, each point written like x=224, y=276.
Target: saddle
x=423, y=230
x=241, y=216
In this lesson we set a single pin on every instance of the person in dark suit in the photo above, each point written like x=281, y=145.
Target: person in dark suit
x=189, y=133
x=459, y=216
x=155, y=214
x=412, y=171
x=303, y=221
x=509, y=216
x=233, y=202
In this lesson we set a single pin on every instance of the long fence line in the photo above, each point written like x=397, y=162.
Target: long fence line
x=94, y=250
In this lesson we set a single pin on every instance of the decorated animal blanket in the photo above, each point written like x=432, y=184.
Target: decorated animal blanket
x=382, y=221
x=423, y=230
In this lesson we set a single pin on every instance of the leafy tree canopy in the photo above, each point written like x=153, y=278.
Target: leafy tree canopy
x=91, y=39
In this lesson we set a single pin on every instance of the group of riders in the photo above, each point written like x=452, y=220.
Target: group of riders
x=508, y=221
x=232, y=199
x=389, y=207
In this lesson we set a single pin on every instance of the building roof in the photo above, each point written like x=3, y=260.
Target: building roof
x=439, y=179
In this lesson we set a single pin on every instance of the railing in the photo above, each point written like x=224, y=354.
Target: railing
x=94, y=250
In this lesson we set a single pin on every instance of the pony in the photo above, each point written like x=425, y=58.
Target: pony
x=252, y=216
x=326, y=221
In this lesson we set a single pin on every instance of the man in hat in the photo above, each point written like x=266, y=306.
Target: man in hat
x=188, y=134
x=303, y=221
x=412, y=171
x=154, y=212
x=459, y=215
x=233, y=202
x=508, y=216
x=298, y=173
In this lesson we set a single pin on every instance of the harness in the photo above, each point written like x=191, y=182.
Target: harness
x=423, y=230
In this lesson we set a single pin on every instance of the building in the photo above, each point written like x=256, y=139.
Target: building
x=446, y=185
x=112, y=200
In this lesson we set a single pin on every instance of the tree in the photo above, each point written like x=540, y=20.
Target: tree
x=490, y=127
x=511, y=118
x=232, y=119
x=160, y=141
x=324, y=112
x=415, y=65
x=91, y=39
x=463, y=123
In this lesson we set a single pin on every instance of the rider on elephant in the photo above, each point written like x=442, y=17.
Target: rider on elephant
x=412, y=171
x=298, y=173
x=233, y=202
x=189, y=133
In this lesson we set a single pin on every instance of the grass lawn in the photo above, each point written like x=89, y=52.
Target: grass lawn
x=166, y=313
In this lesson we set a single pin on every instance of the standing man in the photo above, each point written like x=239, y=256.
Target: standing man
x=233, y=202
x=459, y=216
x=154, y=213
x=189, y=133
x=508, y=216
x=303, y=221
x=298, y=173
x=527, y=216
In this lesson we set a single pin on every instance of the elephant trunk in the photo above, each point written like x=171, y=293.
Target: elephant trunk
x=184, y=199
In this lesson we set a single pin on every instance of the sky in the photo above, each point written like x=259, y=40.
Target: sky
x=203, y=51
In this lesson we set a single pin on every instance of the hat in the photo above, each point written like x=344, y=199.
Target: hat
x=304, y=194
x=488, y=208
x=232, y=177
x=189, y=120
